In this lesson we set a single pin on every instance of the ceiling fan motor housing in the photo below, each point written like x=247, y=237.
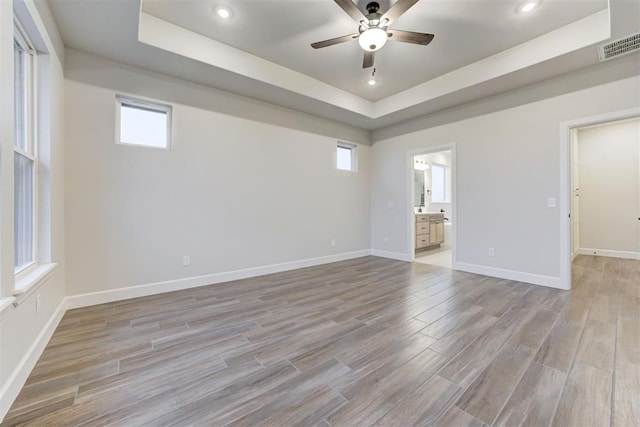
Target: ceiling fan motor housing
x=373, y=7
x=373, y=15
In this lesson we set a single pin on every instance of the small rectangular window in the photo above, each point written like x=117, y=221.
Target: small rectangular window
x=346, y=156
x=143, y=123
x=438, y=183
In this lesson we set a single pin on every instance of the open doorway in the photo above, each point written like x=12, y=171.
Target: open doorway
x=432, y=210
x=600, y=195
x=605, y=189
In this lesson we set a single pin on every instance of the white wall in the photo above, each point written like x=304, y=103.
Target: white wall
x=23, y=331
x=508, y=165
x=609, y=182
x=232, y=193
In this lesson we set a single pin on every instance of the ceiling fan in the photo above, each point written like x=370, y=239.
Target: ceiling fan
x=373, y=31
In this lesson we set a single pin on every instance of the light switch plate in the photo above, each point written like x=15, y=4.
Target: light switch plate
x=551, y=202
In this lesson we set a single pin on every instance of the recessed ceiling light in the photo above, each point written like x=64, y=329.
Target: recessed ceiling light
x=528, y=6
x=371, y=82
x=223, y=12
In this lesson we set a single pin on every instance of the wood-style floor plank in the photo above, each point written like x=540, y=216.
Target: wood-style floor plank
x=385, y=391
x=488, y=393
x=425, y=405
x=368, y=341
x=586, y=400
x=558, y=349
x=455, y=416
x=597, y=346
x=534, y=399
x=627, y=395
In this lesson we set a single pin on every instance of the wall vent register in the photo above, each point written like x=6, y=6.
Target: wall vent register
x=619, y=47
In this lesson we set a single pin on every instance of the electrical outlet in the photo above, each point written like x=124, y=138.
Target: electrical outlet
x=551, y=202
x=391, y=205
x=186, y=260
x=333, y=242
x=386, y=239
x=38, y=303
x=491, y=252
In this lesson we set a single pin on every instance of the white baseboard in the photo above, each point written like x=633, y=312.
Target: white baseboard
x=18, y=377
x=102, y=297
x=391, y=255
x=608, y=253
x=519, y=276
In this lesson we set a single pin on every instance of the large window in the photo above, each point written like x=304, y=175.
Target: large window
x=25, y=152
x=143, y=123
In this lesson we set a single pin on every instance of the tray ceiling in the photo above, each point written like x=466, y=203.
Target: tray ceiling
x=481, y=48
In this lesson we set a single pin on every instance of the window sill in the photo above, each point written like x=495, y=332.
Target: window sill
x=6, y=303
x=32, y=281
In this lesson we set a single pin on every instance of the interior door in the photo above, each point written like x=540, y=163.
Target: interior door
x=575, y=194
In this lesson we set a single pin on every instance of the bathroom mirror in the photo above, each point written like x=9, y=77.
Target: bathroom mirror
x=418, y=196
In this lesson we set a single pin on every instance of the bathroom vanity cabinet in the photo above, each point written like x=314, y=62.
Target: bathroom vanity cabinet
x=429, y=230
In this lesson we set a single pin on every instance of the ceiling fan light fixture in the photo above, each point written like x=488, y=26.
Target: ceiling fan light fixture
x=372, y=39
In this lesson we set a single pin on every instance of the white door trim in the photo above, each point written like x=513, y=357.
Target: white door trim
x=565, y=182
x=454, y=201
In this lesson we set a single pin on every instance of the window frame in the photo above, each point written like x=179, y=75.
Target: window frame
x=145, y=104
x=31, y=142
x=446, y=195
x=354, y=156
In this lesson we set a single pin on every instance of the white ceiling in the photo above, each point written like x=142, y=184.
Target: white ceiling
x=481, y=48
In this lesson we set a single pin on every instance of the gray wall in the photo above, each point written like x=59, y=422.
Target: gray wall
x=232, y=193
x=508, y=165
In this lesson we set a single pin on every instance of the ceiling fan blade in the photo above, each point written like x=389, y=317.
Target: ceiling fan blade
x=368, y=59
x=351, y=9
x=410, y=37
x=400, y=7
x=331, y=42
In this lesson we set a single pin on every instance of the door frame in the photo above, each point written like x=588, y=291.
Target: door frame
x=565, y=182
x=574, y=207
x=411, y=232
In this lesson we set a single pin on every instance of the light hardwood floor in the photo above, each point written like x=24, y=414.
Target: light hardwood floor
x=354, y=343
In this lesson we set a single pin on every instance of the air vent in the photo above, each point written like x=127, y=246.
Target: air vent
x=619, y=47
